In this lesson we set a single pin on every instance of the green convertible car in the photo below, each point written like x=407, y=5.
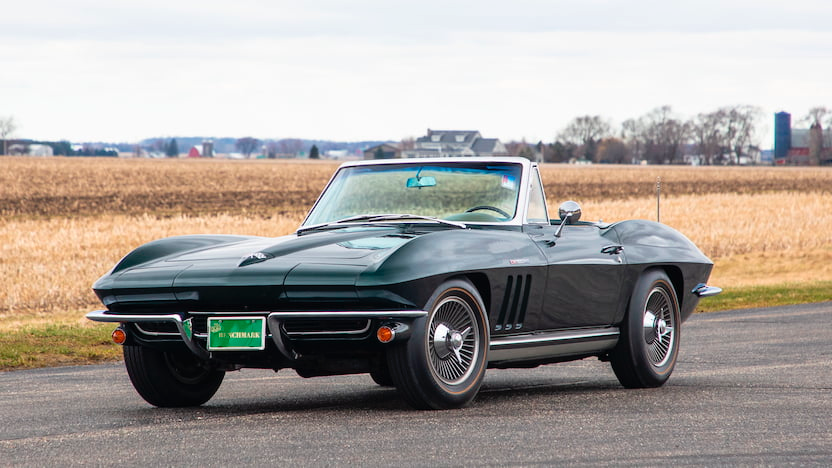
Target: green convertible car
x=422, y=273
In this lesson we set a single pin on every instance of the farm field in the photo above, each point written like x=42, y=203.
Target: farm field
x=66, y=221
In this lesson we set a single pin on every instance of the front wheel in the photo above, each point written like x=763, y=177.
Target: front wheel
x=646, y=352
x=170, y=379
x=443, y=363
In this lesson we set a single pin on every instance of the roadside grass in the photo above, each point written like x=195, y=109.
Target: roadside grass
x=60, y=344
x=767, y=296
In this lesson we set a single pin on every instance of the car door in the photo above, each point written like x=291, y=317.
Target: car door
x=585, y=272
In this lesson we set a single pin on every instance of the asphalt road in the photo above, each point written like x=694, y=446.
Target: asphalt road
x=751, y=387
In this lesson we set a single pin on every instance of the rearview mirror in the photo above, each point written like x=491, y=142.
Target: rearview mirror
x=426, y=181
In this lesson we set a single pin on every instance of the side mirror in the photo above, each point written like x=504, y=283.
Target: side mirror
x=570, y=213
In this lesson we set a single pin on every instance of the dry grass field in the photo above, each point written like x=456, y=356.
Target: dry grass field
x=66, y=221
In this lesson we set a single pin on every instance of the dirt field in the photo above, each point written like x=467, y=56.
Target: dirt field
x=66, y=221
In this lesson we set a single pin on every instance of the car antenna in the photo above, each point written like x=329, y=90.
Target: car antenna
x=658, y=199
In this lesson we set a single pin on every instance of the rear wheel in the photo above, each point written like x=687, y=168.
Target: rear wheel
x=646, y=352
x=170, y=379
x=443, y=362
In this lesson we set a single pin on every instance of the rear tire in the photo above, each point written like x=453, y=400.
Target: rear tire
x=170, y=379
x=649, y=343
x=443, y=363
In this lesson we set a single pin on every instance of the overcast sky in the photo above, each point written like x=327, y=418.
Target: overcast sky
x=91, y=70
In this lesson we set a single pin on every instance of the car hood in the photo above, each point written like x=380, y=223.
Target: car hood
x=293, y=267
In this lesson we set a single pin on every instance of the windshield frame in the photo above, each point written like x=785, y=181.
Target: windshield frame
x=522, y=195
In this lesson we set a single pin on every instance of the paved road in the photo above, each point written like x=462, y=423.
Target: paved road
x=751, y=387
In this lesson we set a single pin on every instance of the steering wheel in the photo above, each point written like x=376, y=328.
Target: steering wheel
x=489, y=207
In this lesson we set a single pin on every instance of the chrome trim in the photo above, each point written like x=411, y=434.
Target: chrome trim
x=522, y=195
x=552, y=344
x=318, y=333
x=152, y=333
x=703, y=290
x=107, y=316
x=350, y=314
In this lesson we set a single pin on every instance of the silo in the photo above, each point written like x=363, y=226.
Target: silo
x=782, y=134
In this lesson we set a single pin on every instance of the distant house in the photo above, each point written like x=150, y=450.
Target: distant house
x=30, y=149
x=454, y=143
x=195, y=152
x=383, y=151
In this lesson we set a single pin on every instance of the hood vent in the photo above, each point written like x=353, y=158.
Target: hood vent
x=255, y=257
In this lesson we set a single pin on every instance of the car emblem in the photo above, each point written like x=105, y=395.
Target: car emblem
x=255, y=257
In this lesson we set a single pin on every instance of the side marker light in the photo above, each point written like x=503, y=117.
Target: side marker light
x=385, y=334
x=119, y=336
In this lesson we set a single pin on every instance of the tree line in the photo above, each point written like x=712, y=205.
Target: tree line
x=723, y=136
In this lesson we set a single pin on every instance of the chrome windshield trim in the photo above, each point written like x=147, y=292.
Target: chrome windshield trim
x=522, y=196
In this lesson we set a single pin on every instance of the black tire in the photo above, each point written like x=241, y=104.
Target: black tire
x=169, y=379
x=381, y=376
x=443, y=363
x=649, y=343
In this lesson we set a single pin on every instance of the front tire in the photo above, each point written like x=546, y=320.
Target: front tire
x=443, y=363
x=170, y=379
x=646, y=352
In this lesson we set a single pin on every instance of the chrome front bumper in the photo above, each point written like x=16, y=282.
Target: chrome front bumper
x=274, y=320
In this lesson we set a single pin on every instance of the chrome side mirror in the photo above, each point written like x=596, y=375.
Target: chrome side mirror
x=570, y=213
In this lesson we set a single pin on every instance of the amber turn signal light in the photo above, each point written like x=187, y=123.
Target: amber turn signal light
x=119, y=336
x=385, y=334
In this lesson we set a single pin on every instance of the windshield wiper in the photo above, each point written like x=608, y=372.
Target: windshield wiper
x=379, y=218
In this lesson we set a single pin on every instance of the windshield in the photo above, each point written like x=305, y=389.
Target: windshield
x=466, y=192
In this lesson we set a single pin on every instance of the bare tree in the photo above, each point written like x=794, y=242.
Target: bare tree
x=586, y=131
x=632, y=132
x=663, y=135
x=247, y=145
x=707, y=133
x=739, y=129
x=290, y=146
x=613, y=150
x=7, y=128
x=408, y=143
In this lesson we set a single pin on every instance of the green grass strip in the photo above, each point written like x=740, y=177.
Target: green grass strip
x=57, y=345
x=767, y=296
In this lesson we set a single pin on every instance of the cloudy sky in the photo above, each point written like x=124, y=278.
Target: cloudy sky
x=91, y=70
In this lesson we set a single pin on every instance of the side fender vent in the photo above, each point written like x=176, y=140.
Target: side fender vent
x=515, y=302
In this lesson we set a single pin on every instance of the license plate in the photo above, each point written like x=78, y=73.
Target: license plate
x=236, y=333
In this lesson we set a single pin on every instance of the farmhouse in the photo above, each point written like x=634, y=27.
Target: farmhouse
x=454, y=143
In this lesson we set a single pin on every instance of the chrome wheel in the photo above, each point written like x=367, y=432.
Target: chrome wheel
x=453, y=341
x=659, y=327
x=443, y=362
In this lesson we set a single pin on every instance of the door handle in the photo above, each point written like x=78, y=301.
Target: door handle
x=612, y=249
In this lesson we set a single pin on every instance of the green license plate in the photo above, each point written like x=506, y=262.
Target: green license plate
x=236, y=333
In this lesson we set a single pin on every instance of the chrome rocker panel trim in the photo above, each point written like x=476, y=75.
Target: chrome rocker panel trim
x=552, y=344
